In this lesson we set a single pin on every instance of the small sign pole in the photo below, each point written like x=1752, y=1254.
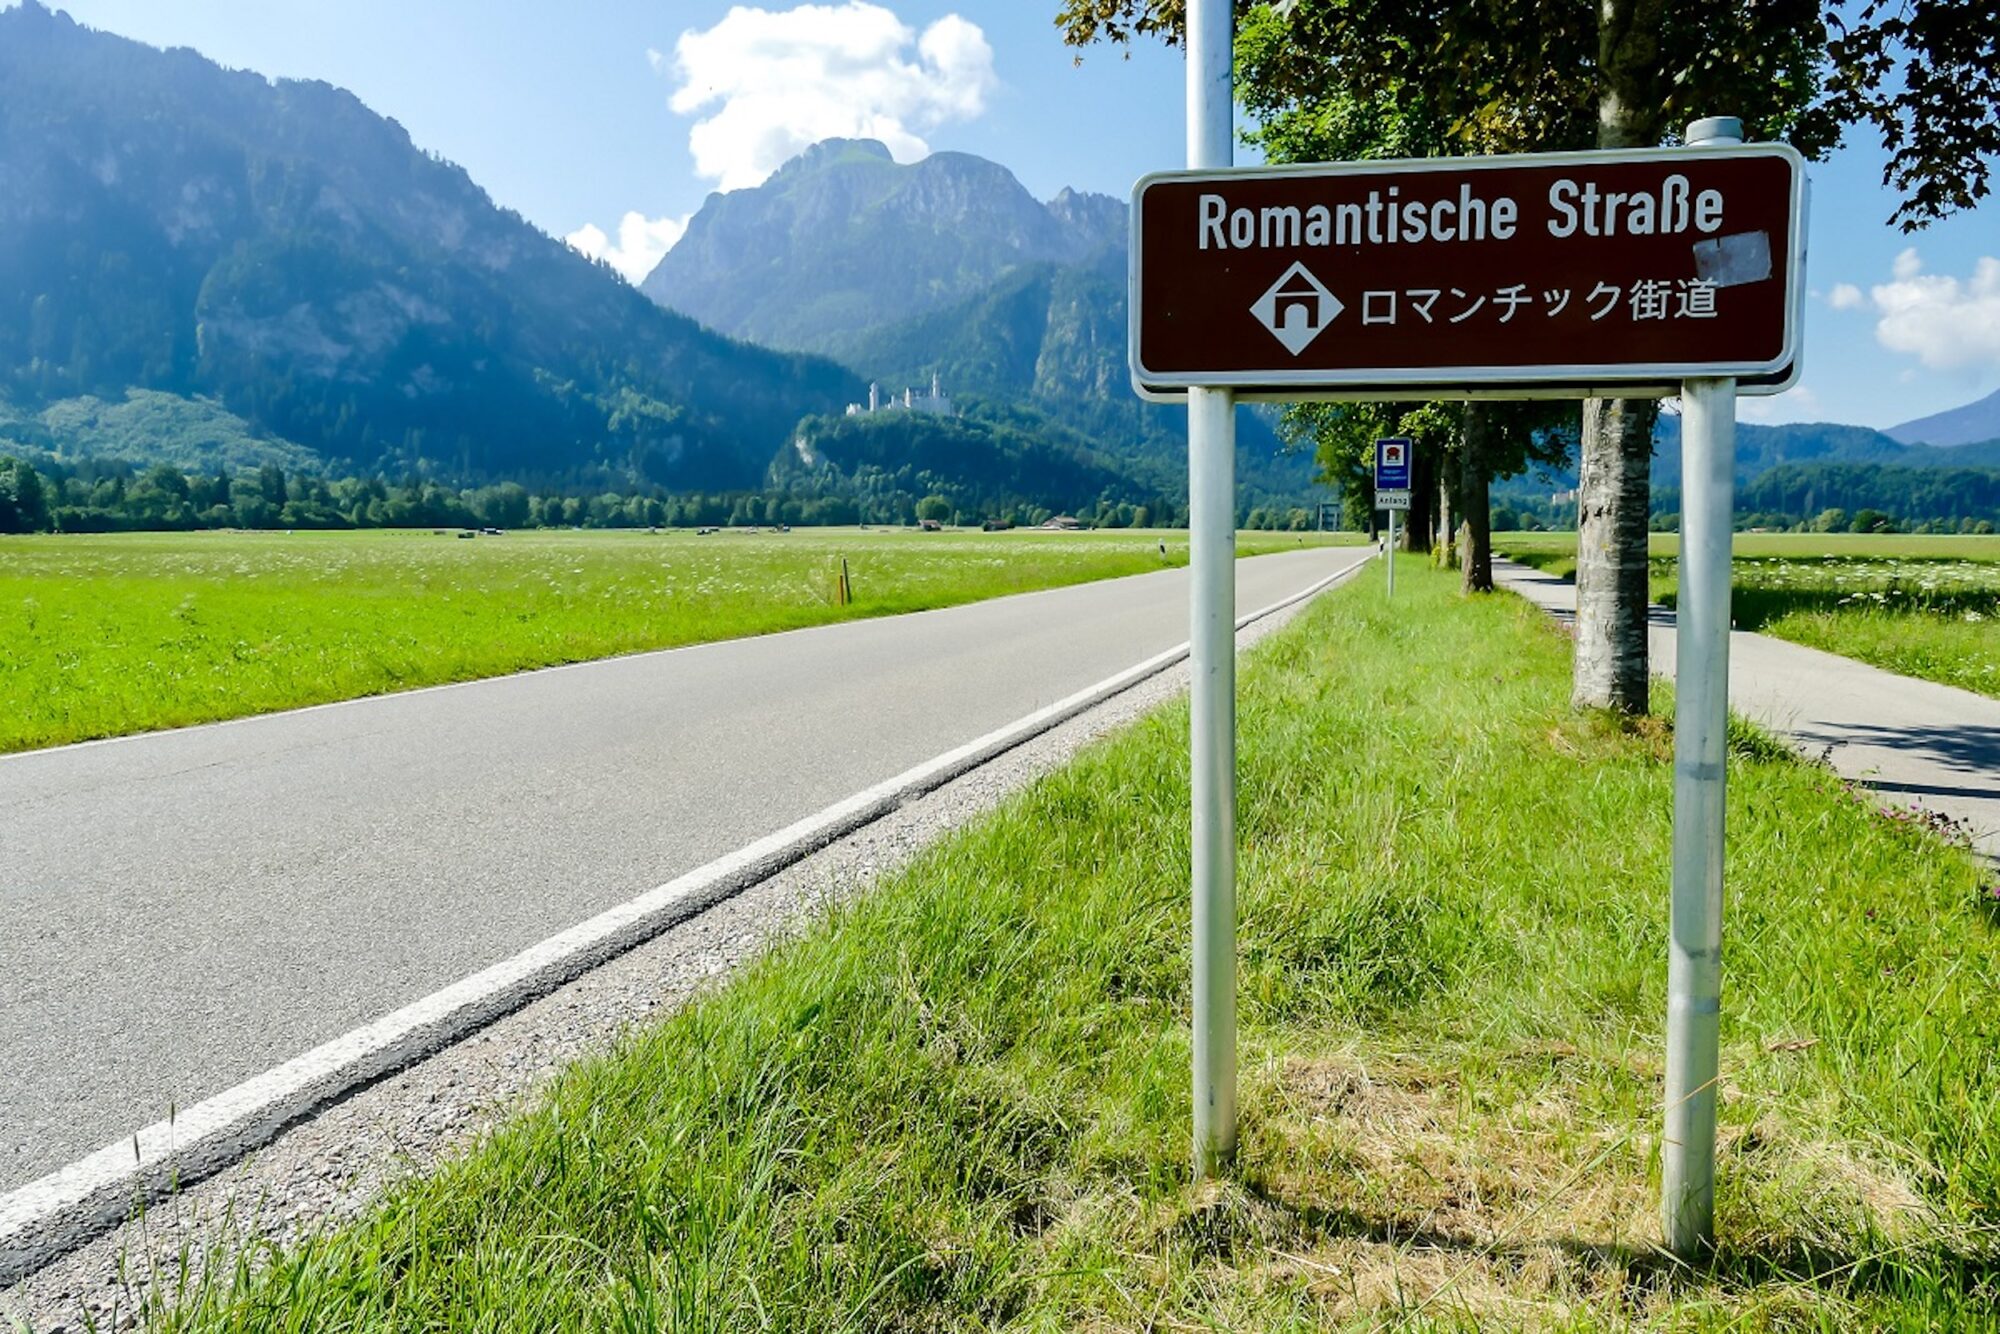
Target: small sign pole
x=1392, y=492
x=1212, y=644
x=1701, y=723
x=1389, y=555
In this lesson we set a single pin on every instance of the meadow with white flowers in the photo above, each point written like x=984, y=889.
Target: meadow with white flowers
x=1921, y=606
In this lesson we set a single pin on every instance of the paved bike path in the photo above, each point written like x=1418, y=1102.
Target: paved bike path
x=1916, y=743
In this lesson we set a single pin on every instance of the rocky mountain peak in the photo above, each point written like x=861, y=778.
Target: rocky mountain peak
x=844, y=237
x=34, y=11
x=1100, y=221
x=831, y=153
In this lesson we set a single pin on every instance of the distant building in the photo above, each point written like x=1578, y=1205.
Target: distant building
x=935, y=403
x=1064, y=522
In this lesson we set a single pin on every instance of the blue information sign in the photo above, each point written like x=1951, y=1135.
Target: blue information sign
x=1392, y=464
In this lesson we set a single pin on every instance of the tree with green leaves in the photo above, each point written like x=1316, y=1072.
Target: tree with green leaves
x=1923, y=76
x=1465, y=446
x=24, y=503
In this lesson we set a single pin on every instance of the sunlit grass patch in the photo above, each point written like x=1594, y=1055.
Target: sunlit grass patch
x=101, y=636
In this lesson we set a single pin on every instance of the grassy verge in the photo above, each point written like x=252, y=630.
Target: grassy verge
x=1923, y=606
x=962, y=1102
x=102, y=636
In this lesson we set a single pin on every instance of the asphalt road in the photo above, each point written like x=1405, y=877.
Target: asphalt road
x=1915, y=742
x=183, y=910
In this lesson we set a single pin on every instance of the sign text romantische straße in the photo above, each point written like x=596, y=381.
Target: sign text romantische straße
x=1580, y=270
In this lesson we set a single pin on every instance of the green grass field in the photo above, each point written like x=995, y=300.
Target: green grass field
x=1920, y=605
x=962, y=1102
x=102, y=636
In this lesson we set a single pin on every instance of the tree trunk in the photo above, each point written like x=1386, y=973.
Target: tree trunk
x=1613, y=488
x=1417, y=523
x=1611, y=589
x=1475, y=519
x=1442, y=550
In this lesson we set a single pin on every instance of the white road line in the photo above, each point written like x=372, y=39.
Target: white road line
x=59, y=1212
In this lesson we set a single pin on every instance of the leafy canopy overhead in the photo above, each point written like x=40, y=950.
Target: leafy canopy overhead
x=1494, y=75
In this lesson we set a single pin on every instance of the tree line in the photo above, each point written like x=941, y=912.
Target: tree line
x=102, y=495
x=109, y=496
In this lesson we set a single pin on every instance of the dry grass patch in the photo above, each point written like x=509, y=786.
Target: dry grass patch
x=1423, y=1198
x=1391, y=1191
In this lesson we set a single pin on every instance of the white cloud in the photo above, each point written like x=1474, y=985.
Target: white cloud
x=1797, y=404
x=1845, y=296
x=641, y=242
x=657, y=59
x=1947, y=323
x=767, y=84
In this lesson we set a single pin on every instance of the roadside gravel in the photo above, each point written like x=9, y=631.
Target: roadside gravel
x=332, y=1165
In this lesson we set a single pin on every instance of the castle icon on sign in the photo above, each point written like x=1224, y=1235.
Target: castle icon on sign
x=1297, y=309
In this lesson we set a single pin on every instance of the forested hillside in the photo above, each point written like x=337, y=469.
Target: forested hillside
x=991, y=463
x=1794, y=474
x=1760, y=448
x=1051, y=338
x=1804, y=491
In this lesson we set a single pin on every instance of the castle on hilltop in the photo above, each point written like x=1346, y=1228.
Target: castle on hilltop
x=935, y=403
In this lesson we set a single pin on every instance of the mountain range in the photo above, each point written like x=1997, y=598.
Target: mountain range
x=280, y=250
x=1761, y=448
x=1791, y=473
x=214, y=270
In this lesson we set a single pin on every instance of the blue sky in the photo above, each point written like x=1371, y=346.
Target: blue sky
x=586, y=116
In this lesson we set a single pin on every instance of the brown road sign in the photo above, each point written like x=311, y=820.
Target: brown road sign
x=1555, y=273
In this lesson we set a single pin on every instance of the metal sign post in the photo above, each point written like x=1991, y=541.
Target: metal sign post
x=1212, y=642
x=1701, y=725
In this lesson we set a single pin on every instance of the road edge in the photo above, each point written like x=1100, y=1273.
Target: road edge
x=65, y=1209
